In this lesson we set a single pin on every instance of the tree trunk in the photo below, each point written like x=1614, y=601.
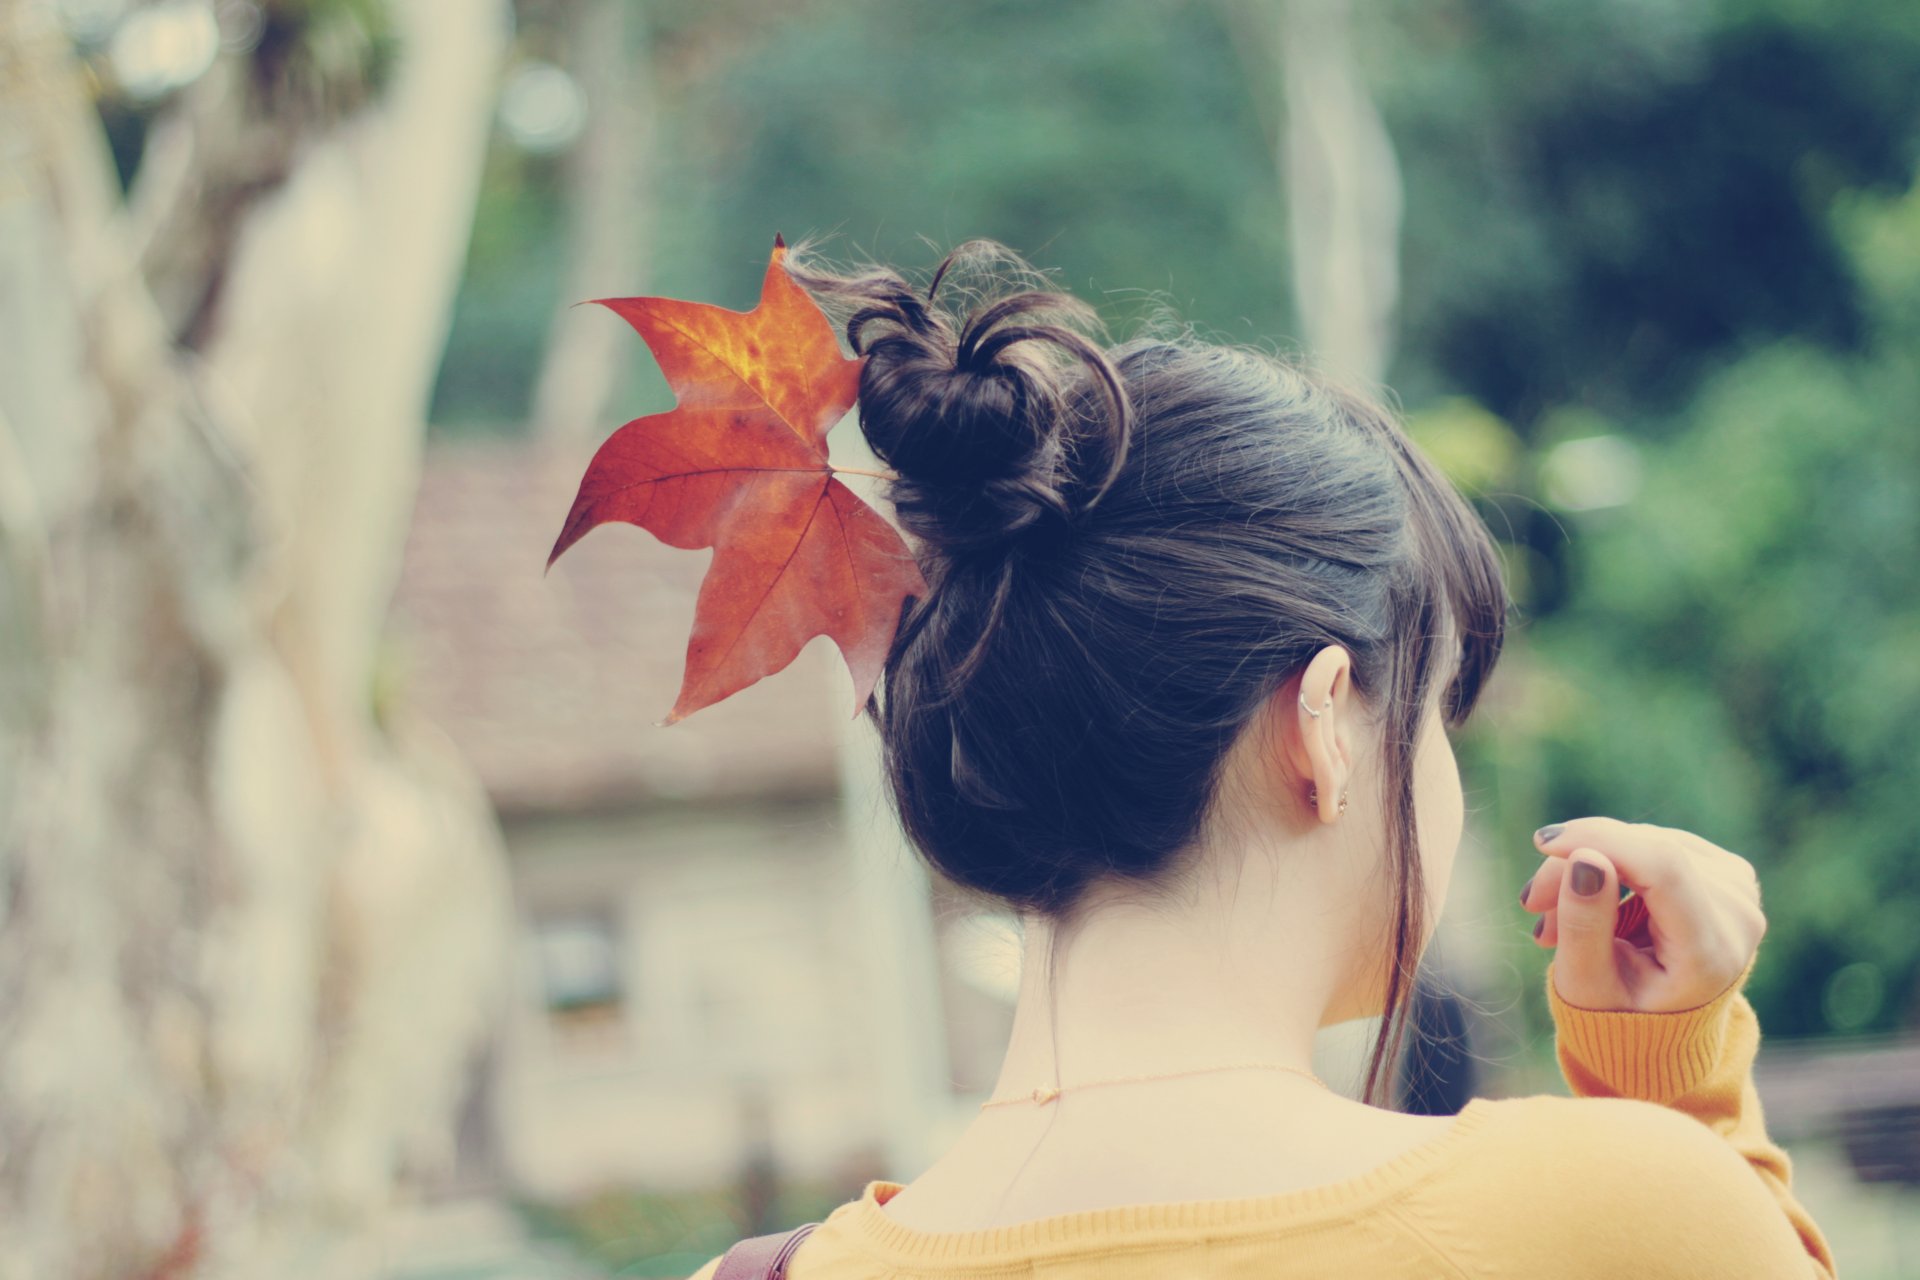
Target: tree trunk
x=1343, y=194
x=609, y=218
x=248, y=932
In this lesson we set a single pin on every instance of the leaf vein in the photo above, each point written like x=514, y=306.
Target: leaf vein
x=774, y=581
x=742, y=378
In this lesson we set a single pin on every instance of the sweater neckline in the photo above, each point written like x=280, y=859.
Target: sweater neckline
x=1114, y=1224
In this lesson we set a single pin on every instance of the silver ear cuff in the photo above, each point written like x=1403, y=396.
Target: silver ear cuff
x=1314, y=791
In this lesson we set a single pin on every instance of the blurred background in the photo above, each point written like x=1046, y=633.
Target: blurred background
x=355, y=918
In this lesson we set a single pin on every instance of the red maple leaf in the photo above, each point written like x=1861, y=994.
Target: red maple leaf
x=740, y=465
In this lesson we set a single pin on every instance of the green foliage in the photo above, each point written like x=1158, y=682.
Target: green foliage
x=516, y=261
x=1604, y=200
x=333, y=55
x=310, y=64
x=1746, y=635
x=1476, y=449
x=1114, y=139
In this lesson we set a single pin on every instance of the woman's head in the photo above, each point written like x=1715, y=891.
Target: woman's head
x=1140, y=558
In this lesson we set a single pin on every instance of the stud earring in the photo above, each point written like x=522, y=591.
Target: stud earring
x=1313, y=797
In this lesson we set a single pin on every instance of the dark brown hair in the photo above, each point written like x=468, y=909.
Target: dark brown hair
x=1129, y=548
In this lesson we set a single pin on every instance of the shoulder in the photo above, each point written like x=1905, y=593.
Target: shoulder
x=706, y=1272
x=1613, y=1182
x=1621, y=1151
x=1609, y=1133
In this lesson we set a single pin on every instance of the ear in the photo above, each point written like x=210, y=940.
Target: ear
x=1320, y=745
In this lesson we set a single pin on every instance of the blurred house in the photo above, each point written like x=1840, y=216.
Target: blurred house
x=689, y=937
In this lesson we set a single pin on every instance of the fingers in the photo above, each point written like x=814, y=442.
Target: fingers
x=1543, y=891
x=1691, y=925
x=1584, y=967
x=1643, y=858
x=1630, y=925
x=1664, y=871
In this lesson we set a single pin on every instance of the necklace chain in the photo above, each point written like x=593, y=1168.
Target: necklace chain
x=1047, y=1093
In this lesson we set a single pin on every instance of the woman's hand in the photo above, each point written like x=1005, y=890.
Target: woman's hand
x=1688, y=932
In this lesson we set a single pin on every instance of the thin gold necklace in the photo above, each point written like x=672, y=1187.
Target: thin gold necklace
x=1047, y=1093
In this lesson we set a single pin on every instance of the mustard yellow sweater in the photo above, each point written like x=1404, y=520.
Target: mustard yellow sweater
x=1660, y=1166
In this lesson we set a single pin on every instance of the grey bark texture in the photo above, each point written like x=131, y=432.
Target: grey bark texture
x=249, y=928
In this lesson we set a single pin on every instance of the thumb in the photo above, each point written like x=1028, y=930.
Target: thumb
x=1585, y=971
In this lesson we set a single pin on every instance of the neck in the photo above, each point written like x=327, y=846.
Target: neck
x=1242, y=972
x=1246, y=967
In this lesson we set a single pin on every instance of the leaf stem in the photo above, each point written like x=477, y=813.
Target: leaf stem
x=856, y=471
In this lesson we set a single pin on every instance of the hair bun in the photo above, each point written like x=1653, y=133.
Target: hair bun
x=984, y=424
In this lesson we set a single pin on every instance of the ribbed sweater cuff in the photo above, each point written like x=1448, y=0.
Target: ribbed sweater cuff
x=1656, y=1057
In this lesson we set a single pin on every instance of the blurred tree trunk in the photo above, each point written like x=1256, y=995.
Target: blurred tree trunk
x=248, y=929
x=609, y=195
x=1343, y=193
x=1340, y=174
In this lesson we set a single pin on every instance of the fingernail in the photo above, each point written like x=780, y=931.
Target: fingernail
x=1538, y=925
x=1525, y=889
x=1587, y=879
x=1547, y=833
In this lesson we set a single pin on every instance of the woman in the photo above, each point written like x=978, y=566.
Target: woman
x=1179, y=696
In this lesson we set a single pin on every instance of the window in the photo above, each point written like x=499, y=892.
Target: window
x=580, y=979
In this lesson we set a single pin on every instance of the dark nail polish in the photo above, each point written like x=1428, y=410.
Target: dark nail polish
x=1538, y=925
x=1587, y=879
x=1547, y=833
x=1525, y=889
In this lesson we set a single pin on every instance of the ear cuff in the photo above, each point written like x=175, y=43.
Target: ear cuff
x=1313, y=792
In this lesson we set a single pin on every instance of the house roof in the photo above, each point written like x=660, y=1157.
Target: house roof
x=551, y=685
